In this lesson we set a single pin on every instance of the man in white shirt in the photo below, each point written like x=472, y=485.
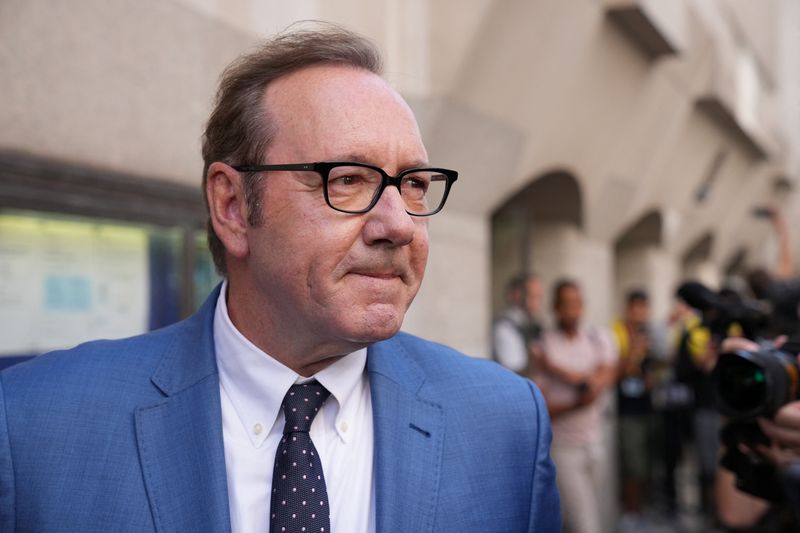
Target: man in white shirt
x=518, y=325
x=576, y=367
x=290, y=402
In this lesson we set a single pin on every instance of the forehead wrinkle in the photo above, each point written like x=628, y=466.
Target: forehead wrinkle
x=358, y=157
x=311, y=103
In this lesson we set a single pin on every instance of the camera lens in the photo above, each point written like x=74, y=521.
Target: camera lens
x=751, y=384
x=741, y=384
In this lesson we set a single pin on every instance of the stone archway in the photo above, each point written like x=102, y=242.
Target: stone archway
x=641, y=261
x=736, y=265
x=537, y=229
x=697, y=264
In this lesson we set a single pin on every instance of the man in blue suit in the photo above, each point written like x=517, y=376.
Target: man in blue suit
x=289, y=402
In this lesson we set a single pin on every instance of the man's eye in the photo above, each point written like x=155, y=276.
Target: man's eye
x=416, y=183
x=347, y=180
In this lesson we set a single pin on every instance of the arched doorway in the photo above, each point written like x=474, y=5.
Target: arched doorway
x=642, y=262
x=537, y=230
x=697, y=261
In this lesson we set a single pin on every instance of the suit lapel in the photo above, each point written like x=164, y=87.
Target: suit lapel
x=180, y=437
x=409, y=433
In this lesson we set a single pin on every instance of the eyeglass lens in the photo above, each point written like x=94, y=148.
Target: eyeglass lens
x=352, y=188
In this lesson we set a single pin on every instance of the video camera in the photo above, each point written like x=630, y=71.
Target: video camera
x=751, y=384
x=723, y=309
x=748, y=385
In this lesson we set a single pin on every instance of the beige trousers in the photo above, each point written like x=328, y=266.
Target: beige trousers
x=580, y=480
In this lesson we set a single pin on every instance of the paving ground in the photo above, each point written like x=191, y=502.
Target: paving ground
x=688, y=519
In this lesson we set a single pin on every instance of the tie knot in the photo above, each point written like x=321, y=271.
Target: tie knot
x=301, y=404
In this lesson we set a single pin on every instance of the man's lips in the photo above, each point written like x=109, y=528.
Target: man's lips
x=378, y=275
x=380, y=269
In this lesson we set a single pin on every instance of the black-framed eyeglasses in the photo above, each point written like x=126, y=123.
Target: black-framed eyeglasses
x=356, y=187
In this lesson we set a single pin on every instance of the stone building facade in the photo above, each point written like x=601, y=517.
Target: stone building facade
x=621, y=142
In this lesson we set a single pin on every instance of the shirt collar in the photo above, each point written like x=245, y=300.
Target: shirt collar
x=346, y=379
x=256, y=383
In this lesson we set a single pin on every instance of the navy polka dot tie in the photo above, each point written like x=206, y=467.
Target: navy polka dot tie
x=299, y=499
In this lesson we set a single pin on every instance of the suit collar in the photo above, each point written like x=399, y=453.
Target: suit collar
x=180, y=437
x=409, y=436
x=189, y=358
x=392, y=360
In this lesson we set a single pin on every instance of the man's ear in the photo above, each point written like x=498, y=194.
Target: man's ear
x=227, y=208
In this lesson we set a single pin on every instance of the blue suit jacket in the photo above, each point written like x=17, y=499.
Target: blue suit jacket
x=126, y=436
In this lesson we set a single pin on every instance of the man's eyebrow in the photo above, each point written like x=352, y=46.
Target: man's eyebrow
x=359, y=158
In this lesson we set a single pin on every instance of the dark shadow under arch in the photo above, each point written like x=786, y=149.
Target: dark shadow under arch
x=646, y=230
x=736, y=265
x=552, y=197
x=700, y=250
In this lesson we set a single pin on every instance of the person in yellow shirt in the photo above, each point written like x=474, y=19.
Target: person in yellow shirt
x=697, y=353
x=674, y=396
x=639, y=353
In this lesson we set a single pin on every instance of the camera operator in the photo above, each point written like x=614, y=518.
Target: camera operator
x=757, y=386
x=696, y=357
x=780, y=288
x=739, y=511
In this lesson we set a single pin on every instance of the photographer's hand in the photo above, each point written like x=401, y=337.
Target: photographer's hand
x=736, y=509
x=784, y=431
x=732, y=344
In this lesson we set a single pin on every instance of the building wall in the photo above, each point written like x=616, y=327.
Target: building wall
x=505, y=91
x=111, y=84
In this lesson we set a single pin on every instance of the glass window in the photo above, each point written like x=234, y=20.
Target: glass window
x=68, y=279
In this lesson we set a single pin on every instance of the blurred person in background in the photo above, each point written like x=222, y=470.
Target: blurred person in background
x=518, y=326
x=574, y=367
x=698, y=353
x=641, y=349
x=673, y=398
x=778, y=287
x=695, y=359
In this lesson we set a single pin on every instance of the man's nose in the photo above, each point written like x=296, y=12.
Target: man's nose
x=388, y=221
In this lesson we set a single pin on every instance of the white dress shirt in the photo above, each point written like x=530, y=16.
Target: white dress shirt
x=584, y=353
x=252, y=387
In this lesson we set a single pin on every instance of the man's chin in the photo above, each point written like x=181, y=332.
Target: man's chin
x=376, y=324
